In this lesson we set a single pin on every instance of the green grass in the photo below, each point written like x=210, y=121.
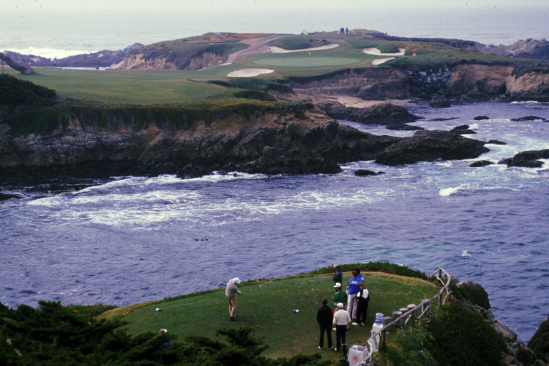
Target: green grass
x=168, y=87
x=310, y=61
x=300, y=42
x=138, y=87
x=270, y=304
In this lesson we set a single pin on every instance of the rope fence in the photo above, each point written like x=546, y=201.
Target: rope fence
x=408, y=316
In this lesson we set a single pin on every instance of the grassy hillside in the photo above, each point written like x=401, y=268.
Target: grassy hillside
x=270, y=304
x=165, y=87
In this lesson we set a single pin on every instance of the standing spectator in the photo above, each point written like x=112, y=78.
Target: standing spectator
x=341, y=320
x=340, y=296
x=351, y=299
x=414, y=52
x=324, y=317
x=338, y=275
x=362, y=300
x=230, y=291
x=360, y=276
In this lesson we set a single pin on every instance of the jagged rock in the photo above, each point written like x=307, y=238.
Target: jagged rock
x=439, y=102
x=293, y=161
x=506, y=333
x=525, y=354
x=540, y=341
x=496, y=142
x=480, y=163
x=463, y=130
x=527, y=159
x=403, y=127
x=380, y=114
x=430, y=146
x=5, y=196
x=364, y=172
x=529, y=48
x=481, y=118
x=527, y=118
x=312, y=143
x=476, y=293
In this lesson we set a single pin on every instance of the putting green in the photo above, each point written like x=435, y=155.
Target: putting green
x=309, y=61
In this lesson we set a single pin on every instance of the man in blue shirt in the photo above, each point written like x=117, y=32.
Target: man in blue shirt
x=360, y=276
x=351, y=299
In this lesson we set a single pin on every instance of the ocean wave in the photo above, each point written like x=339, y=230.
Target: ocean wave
x=50, y=53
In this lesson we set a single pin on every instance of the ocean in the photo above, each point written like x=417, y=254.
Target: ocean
x=65, y=34
x=137, y=239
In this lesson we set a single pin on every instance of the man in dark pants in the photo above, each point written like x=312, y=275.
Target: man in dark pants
x=341, y=320
x=324, y=317
x=338, y=275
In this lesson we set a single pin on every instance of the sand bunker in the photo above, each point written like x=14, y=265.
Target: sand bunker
x=376, y=52
x=380, y=61
x=248, y=73
x=282, y=50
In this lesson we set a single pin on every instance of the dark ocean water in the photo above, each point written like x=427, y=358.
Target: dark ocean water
x=136, y=239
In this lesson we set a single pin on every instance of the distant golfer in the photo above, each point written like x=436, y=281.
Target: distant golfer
x=230, y=291
x=338, y=275
x=341, y=320
x=414, y=52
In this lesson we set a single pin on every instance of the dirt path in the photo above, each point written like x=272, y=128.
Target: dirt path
x=257, y=45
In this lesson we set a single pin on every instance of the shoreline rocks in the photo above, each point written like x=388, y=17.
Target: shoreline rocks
x=430, y=146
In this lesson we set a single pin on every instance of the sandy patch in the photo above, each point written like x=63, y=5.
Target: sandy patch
x=376, y=52
x=248, y=73
x=282, y=50
x=380, y=61
x=361, y=103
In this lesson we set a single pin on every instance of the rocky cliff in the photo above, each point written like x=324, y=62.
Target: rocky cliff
x=269, y=142
x=458, y=81
x=529, y=48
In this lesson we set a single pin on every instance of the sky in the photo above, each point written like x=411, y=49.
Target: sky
x=70, y=6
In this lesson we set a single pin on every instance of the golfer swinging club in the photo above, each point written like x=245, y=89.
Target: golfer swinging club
x=230, y=291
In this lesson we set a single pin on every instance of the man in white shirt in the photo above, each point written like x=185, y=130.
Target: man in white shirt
x=341, y=320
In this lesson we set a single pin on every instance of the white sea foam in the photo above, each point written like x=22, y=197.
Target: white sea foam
x=50, y=53
x=445, y=192
x=465, y=254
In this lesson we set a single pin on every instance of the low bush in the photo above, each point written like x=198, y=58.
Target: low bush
x=38, y=119
x=16, y=91
x=298, y=42
x=376, y=267
x=456, y=336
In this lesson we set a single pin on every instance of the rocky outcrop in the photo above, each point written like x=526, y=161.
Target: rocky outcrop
x=529, y=48
x=368, y=83
x=480, y=163
x=438, y=101
x=477, y=294
x=386, y=114
x=366, y=173
x=473, y=296
x=540, y=342
x=139, y=61
x=430, y=146
x=463, y=130
x=103, y=58
x=527, y=159
x=265, y=142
